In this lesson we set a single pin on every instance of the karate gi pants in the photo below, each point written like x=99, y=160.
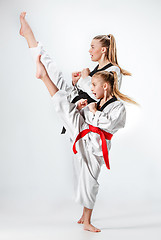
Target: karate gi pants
x=86, y=165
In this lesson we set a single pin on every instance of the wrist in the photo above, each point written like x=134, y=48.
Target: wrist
x=83, y=77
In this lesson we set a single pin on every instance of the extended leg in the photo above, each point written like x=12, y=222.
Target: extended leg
x=88, y=186
x=67, y=110
x=26, y=31
x=51, y=67
x=42, y=74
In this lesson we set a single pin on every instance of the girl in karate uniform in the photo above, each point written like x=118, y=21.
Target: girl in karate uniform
x=90, y=128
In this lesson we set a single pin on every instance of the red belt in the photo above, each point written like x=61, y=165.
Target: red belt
x=103, y=135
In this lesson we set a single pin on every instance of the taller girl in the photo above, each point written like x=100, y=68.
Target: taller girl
x=102, y=50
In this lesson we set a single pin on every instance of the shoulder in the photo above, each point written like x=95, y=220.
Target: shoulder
x=115, y=69
x=118, y=111
x=117, y=106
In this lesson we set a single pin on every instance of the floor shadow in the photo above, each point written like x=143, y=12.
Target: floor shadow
x=139, y=226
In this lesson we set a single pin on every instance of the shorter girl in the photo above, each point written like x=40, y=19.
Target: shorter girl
x=90, y=129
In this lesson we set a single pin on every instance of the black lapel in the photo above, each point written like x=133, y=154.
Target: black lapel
x=102, y=69
x=113, y=99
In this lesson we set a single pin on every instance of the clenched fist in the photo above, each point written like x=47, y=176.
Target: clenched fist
x=75, y=77
x=93, y=107
x=81, y=104
x=85, y=72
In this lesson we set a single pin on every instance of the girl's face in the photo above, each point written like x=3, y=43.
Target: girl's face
x=95, y=50
x=98, y=87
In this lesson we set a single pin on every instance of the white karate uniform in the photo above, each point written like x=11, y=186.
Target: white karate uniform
x=89, y=159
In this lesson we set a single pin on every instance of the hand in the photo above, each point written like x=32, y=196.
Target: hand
x=75, y=77
x=81, y=104
x=93, y=107
x=85, y=72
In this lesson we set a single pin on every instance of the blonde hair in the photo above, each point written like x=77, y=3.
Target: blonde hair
x=109, y=42
x=111, y=78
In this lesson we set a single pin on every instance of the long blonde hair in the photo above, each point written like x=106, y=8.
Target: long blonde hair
x=111, y=78
x=109, y=42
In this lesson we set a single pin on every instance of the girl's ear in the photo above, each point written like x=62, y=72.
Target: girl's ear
x=104, y=49
x=105, y=86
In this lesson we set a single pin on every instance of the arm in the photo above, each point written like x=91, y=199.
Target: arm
x=85, y=85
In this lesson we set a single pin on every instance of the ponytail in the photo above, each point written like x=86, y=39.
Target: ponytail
x=112, y=52
x=118, y=94
x=109, y=42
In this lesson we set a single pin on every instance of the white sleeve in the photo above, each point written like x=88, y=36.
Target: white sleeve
x=86, y=85
x=111, y=121
x=55, y=75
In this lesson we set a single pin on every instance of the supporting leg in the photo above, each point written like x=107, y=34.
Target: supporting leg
x=87, y=221
x=81, y=220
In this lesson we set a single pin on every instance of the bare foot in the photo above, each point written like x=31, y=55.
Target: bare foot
x=40, y=70
x=91, y=228
x=81, y=220
x=25, y=28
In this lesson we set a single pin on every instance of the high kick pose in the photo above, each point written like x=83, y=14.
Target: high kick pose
x=90, y=128
x=102, y=50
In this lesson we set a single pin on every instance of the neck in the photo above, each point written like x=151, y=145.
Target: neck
x=103, y=62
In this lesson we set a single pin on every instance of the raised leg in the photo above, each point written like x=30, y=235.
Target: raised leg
x=42, y=74
x=27, y=32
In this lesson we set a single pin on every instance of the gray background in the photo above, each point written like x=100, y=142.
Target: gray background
x=35, y=160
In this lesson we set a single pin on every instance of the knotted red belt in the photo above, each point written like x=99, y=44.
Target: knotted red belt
x=103, y=135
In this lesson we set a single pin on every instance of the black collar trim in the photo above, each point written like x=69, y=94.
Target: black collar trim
x=113, y=99
x=102, y=69
x=105, y=67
